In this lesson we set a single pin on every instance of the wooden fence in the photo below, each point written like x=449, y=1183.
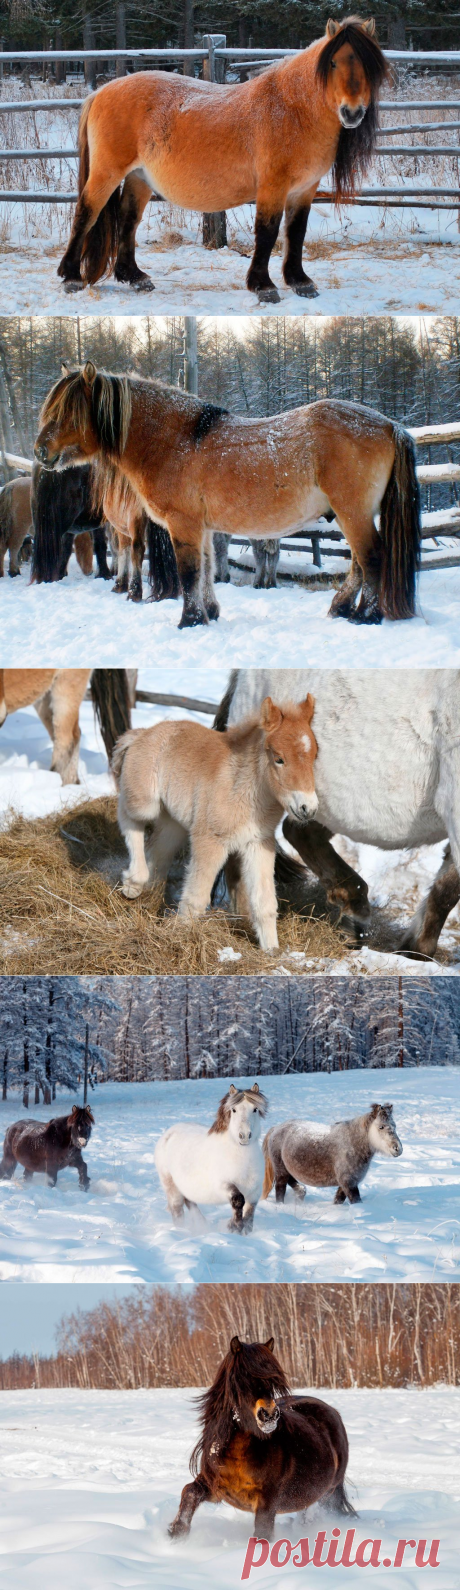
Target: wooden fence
x=320, y=541
x=215, y=59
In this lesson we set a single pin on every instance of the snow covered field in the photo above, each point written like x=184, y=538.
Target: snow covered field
x=80, y=616
x=397, y=879
x=90, y=1482
x=407, y=1227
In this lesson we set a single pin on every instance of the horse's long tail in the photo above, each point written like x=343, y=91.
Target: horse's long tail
x=400, y=531
x=110, y=697
x=119, y=752
x=163, y=574
x=221, y=718
x=100, y=247
x=339, y=1502
x=47, y=524
x=269, y=1176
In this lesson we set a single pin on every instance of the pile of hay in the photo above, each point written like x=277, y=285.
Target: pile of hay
x=62, y=912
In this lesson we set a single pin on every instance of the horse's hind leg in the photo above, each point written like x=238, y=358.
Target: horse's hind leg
x=66, y=696
x=168, y=837
x=175, y=1199
x=237, y=1202
x=123, y=552
x=421, y=937
x=268, y=220
x=192, y=1497
x=137, y=557
x=367, y=548
x=136, y=876
x=187, y=538
x=221, y=569
x=100, y=548
x=208, y=855
x=296, y=221
x=96, y=194
x=266, y=556
x=344, y=602
x=7, y=1166
x=209, y=595
x=135, y=197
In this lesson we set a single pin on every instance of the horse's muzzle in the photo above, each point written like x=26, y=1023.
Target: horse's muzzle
x=302, y=806
x=351, y=118
x=266, y=1421
x=397, y=1149
x=47, y=460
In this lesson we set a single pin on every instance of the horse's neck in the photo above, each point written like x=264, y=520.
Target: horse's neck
x=306, y=96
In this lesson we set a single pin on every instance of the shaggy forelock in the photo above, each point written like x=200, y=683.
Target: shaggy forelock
x=365, y=48
x=109, y=406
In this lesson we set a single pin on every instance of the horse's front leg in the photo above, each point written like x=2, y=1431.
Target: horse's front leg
x=269, y=213
x=51, y=1172
x=136, y=876
x=208, y=855
x=264, y=1521
x=135, y=197
x=187, y=536
x=296, y=222
x=137, y=555
x=78, y=1163
x=248, y=1217
x=209, y=595
x=236, y=1199
x=192, y=1497
x=258, y=870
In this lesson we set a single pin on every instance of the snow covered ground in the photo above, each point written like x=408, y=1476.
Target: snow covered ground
x=90, y=1481
x=82, y=617
x=407, y=1227
x=364, y=262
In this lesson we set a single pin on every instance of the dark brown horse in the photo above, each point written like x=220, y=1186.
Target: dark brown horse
x=263, y=1449
x=49, y=1147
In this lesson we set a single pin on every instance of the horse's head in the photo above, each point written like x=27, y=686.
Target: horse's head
x=255, y=1384
x=291, y=750
x=85, y=413
x=241, y=1113
x=383, y=1137
x=351, y=68
x=81, y=1120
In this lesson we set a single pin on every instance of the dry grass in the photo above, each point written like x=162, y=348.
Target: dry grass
x=61, y=910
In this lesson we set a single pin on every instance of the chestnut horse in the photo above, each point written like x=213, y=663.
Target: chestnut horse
x=226, y=791
x=48, y=1146
x=264, y=1449
x=198, y=469
x=212, y=146
x=57, y=694
x=126, y=518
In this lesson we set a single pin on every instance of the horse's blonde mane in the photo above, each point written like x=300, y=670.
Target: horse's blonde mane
x=253, y=1094
x=108, y=400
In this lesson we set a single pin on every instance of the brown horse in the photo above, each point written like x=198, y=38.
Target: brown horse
x=48, y=1147
x=57, y=694
x=17, y=524
x=130, y=529
x=211, y=146
x=263, y=1449
x=198, y=469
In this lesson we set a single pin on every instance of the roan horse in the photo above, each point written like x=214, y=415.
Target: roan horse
x=198, y=469
x=387, y=774
x=220, y=1164
x=300, y=1152
x=57, y=694
x=49, y=1147
x=209, y=146
x=227, y=792
x=263, y=1449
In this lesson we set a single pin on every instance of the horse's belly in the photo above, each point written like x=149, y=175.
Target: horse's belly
x=206, y=184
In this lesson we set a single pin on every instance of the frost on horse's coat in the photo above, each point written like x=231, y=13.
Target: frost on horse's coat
x=302, y=1152
x=218, y=1164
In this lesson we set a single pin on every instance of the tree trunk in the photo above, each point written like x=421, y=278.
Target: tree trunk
x=88, y=44
x=59, y=66
x=188, y=27
x=120, y=36
x=214, y=225
x=191, y=356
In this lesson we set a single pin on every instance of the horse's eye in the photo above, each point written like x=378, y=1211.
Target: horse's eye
x=279, y=761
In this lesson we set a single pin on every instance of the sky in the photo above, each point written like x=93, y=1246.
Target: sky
x=29, y=1314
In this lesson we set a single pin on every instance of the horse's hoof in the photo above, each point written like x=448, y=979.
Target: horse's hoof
x=305, y=289
x=213, y=610
x=177, y=1529
x=192, y=618
x=130, y=889
x=268, y=295
x=145, y=286
x=134, y=596
x=365, y=618
x=74, y=287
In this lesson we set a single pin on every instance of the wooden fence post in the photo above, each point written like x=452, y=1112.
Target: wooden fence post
x=88, y=44
x=214, y=225
x=120, y=36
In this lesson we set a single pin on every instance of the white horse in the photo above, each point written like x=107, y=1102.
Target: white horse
x=387, y=774
x=220, y=1164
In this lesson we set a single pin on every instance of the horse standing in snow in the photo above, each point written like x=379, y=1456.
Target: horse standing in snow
x=57, y=694
x=300, y=1152
x=264, y=1449
x=220, y=1164
x=49, y=1147
x=210, y=146
x=227, y=792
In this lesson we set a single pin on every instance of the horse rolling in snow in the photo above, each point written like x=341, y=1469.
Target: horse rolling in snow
x=303, y=1152
x=57, y=694
x=199, y=470
x=49, y=1147
x=264, y=1449
x=220, y=1164
x=210, y=146
x=227, y=792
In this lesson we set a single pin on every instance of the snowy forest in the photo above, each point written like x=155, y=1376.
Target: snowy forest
x=168, y=1028
x=272, y=22
x=408, y=370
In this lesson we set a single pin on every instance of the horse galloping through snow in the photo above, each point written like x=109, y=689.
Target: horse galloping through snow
x=227, y=792
x=209, y=146
x=220, y=1164
x=387, y=774
x=198, y=469
x=300, y=1153
x=57, y=694
x=49, y=1146
x=264, y=1449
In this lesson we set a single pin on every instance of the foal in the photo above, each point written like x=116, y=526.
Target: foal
x=226, y=791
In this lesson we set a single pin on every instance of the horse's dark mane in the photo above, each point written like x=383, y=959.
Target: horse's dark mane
x=221, y=1121
x=231, y=1389
x=355, y=147
x=110, y=406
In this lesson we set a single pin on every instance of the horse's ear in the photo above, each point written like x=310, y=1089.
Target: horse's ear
x=308, y=707
x=388, y=1108
x=89, y=373
x=369, y=27
x=375, y=1110
x=270, y=1344
x=270, y=716
x=332, y=28
x=235, y=1345
x=65, y=368
x=74, y=1110
x=232, y=1088
x=255, y=1088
